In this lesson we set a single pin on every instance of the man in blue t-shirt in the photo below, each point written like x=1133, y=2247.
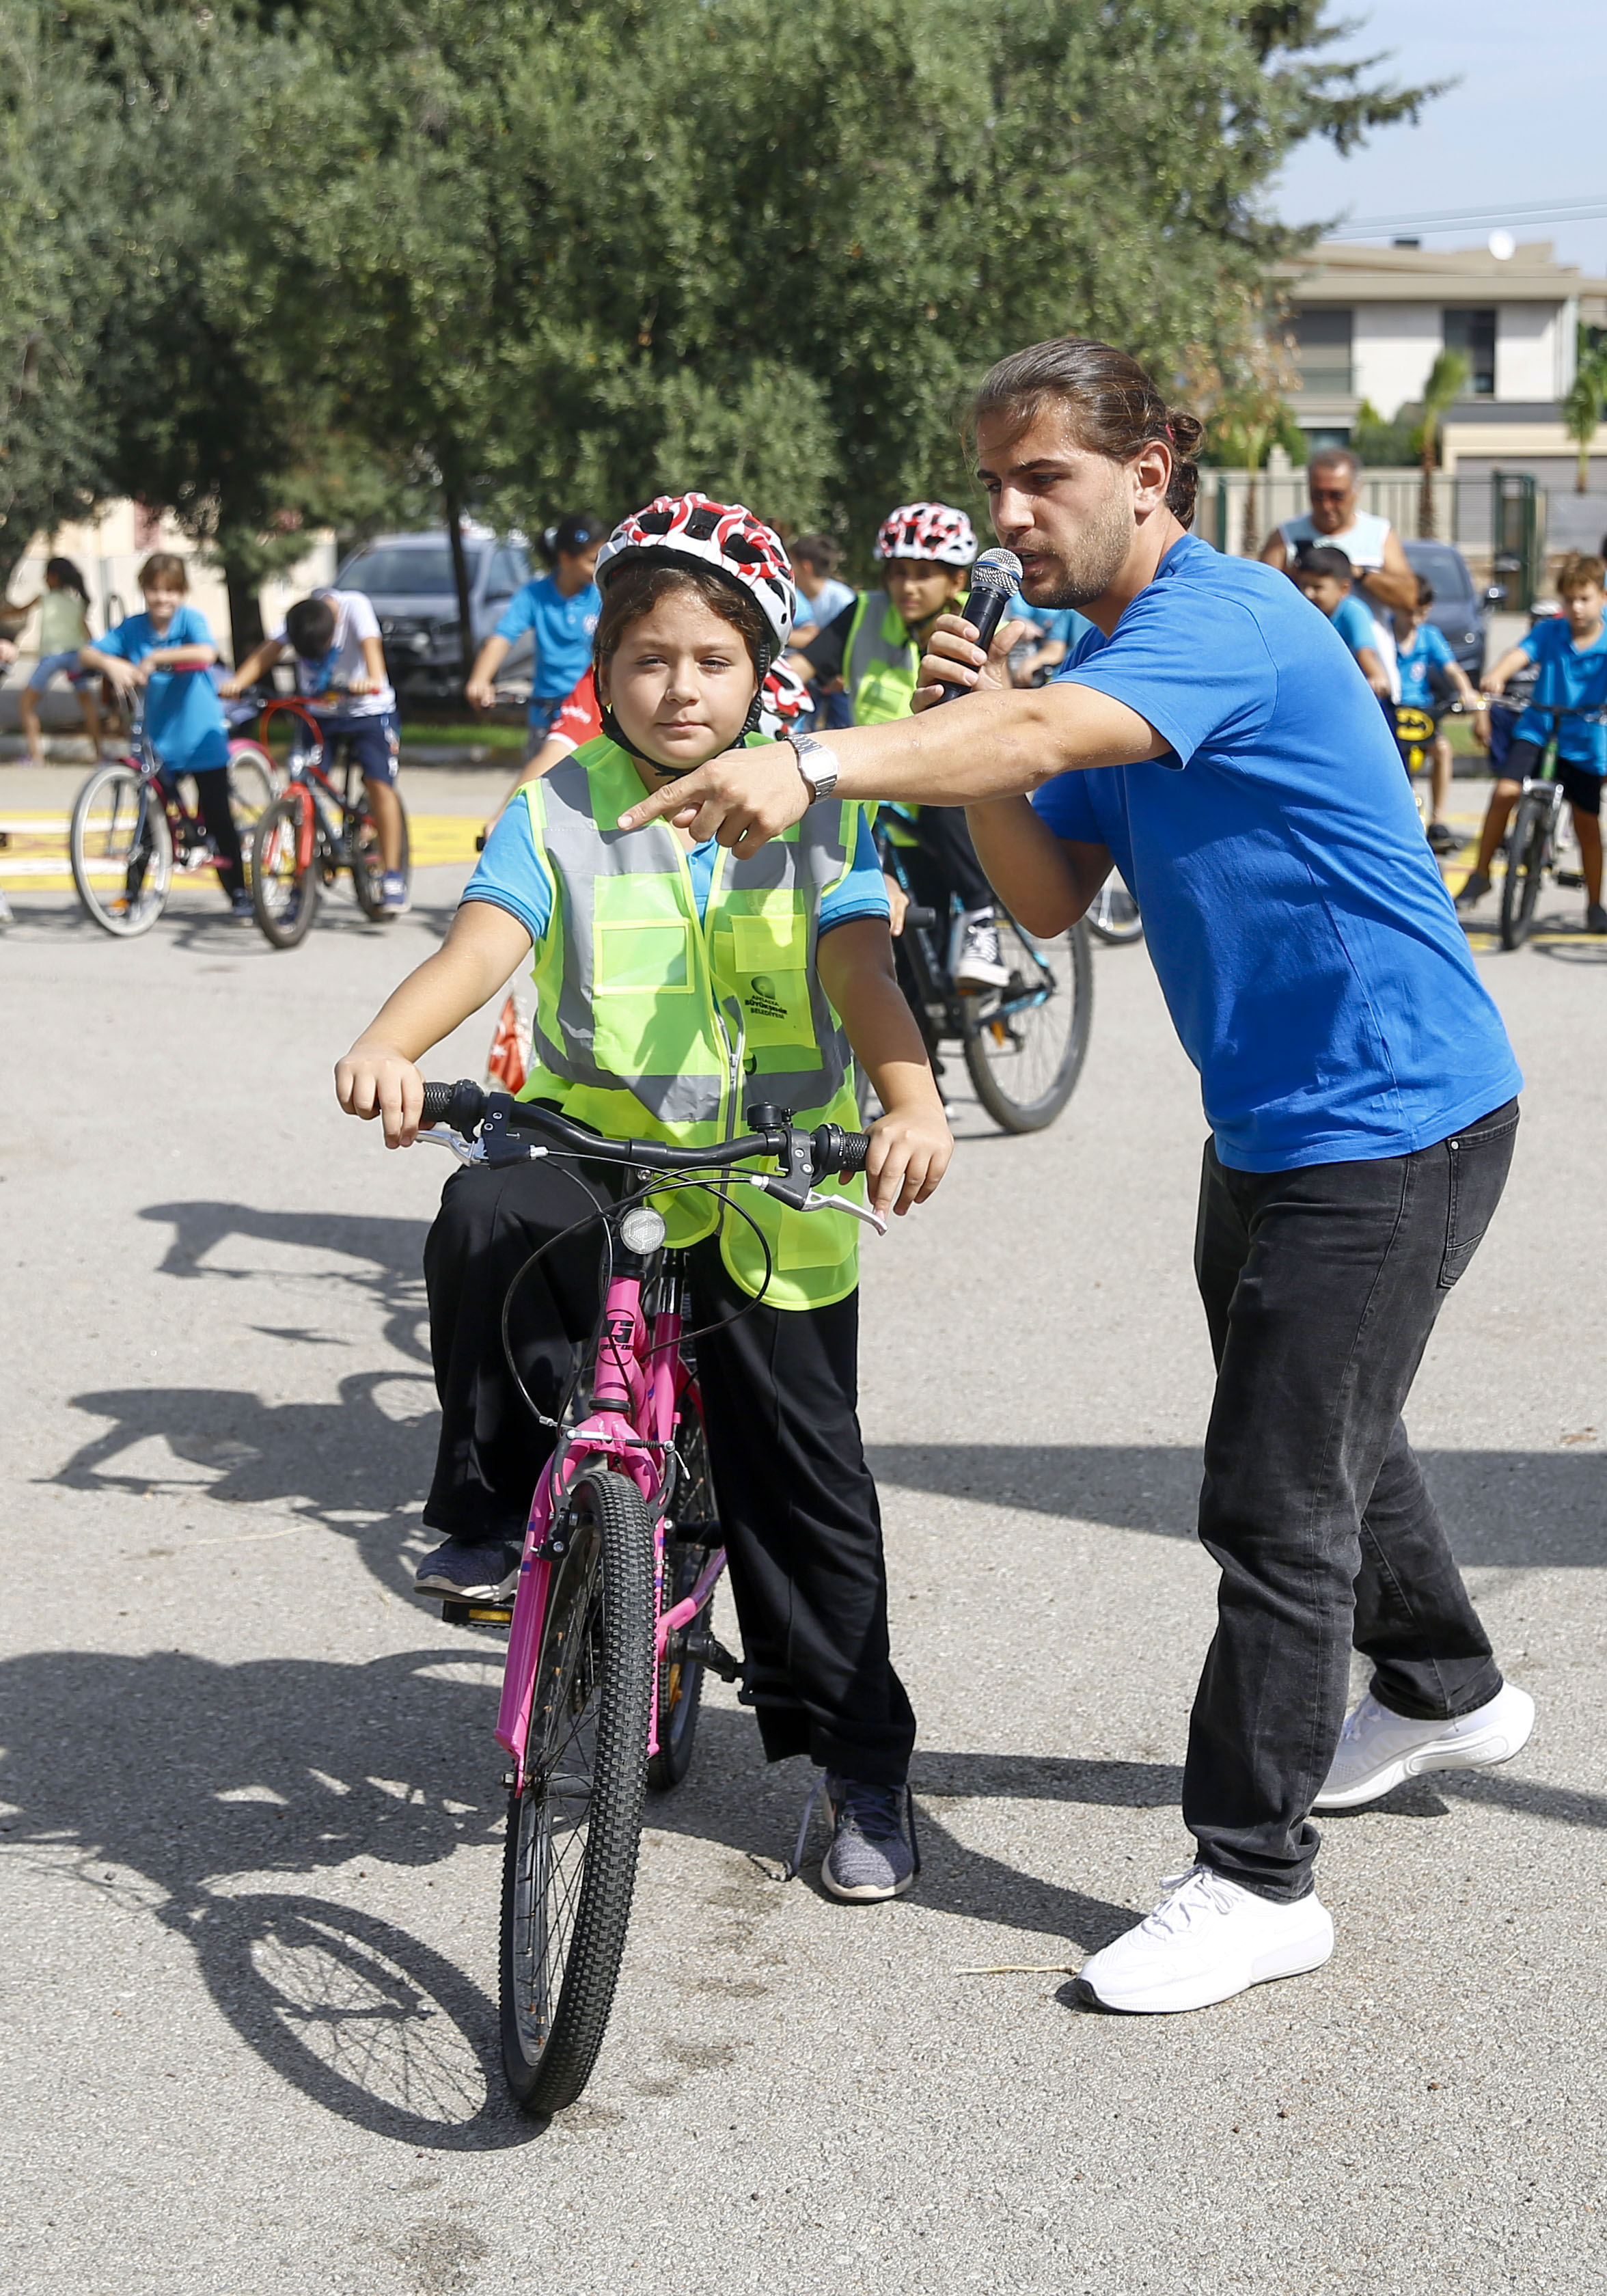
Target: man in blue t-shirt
x=1211, y=740
x=1570, y=655
x=167, y=650
x=559, y=610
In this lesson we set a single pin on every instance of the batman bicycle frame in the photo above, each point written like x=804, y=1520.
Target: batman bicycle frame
x=608, y=1612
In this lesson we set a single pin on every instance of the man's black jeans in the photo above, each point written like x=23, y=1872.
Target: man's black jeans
x=1321, y=1286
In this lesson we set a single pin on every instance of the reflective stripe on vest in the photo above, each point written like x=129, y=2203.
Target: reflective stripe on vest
x=643, y=1008
x=881, y=666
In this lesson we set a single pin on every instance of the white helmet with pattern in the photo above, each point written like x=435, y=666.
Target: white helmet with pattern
x=927, y=529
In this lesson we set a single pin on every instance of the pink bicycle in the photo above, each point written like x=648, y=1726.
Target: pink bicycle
x=608, y=1612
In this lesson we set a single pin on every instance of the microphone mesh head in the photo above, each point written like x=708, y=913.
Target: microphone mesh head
x=997, y=569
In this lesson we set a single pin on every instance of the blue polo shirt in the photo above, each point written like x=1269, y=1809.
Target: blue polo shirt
x=184, y=717
x=1573, y=677
x=1427, y=649
x=1354, y=624
x=1307, y=949
x=562, y=629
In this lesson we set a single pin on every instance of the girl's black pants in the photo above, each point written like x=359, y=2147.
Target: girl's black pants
x=798, y=1506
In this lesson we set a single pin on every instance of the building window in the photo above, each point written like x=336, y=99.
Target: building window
x=1320, y=343
x=1473, y=333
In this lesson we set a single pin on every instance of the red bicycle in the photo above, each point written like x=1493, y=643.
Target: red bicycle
x=311, y=832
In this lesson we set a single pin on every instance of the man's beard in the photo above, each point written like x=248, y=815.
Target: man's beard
x=1096, y=557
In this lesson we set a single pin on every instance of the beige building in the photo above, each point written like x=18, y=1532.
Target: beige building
x=109, y=551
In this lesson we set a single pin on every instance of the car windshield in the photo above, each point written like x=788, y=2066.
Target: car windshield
x=421, y=571
x=1442, y=568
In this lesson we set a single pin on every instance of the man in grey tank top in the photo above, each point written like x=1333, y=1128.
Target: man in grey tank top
x=1384, y=579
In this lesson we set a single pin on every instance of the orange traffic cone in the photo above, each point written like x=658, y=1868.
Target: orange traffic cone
x=509, y=1063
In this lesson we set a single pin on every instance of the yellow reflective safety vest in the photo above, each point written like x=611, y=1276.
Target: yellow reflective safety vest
x=880, y=662
x=653, y=1023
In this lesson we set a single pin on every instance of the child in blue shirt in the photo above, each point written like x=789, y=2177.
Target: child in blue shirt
x=1323, y=575
x=167, y=650
x=1426, y=666
x=560, y=611
x=1572, y=655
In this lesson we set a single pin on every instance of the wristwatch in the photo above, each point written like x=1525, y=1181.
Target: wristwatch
x=817, y=763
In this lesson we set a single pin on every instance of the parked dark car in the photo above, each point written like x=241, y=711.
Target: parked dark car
x=1458, y=609
x=409, y=578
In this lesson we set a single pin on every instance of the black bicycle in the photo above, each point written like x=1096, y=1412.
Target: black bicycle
x=1023, y=1044
x=1538, y=837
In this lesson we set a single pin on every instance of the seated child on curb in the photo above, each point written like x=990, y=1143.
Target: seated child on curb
x=165, y=649
x=650, y=952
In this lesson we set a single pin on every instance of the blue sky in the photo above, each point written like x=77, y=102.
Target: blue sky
x=1526, y=124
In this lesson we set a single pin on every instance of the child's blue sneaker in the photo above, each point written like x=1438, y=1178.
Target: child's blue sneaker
x=393, y=893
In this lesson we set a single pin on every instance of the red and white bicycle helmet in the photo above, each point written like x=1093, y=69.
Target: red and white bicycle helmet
x=782, y=699
x=927, y=529
x=724, y=537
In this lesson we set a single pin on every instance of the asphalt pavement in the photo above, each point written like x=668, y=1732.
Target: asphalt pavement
x=251, y=1830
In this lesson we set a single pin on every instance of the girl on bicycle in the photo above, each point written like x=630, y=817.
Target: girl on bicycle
x=63, y=606
x=674, y=983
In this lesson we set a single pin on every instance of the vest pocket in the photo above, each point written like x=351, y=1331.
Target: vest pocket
x=769, y=958
x=643, y=994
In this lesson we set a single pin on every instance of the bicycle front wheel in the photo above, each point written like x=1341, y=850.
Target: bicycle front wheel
x=252, y=785
x=285, y=879
x=121, y=851
x=1025, y=1047
x=1113, y=913
x=1525, y=868
x=569, y=1865
x=368, y=869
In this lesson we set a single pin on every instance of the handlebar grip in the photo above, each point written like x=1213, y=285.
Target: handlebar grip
x=856, y=1147
x=916, y=915
x=462, y=1105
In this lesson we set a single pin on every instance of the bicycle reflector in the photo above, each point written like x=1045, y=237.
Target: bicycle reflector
x=642, y=1229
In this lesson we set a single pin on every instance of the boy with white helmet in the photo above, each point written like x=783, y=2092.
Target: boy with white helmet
x=874, y=648
x=674, y=983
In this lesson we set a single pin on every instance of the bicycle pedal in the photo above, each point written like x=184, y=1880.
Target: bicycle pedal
x=696, y=1646
x=1572, y=878
x=497, y=1616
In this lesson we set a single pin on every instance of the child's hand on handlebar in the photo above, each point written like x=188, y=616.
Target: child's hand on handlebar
x=377, y=1080
x=910, y=1149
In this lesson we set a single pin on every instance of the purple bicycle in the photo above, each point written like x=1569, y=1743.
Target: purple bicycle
x=608, y=1612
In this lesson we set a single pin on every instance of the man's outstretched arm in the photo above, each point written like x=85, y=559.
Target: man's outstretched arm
x=996, y=742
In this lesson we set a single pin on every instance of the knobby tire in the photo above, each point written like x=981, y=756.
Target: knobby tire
x=569, y=1863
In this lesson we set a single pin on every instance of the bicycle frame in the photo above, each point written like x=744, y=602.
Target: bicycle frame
x=932, y=976
x=308, y=771
x=640, y=1387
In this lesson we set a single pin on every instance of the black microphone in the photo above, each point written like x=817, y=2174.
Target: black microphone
x=995, y=579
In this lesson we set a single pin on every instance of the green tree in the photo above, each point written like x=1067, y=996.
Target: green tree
x=1582, y=406
x=1447, y=380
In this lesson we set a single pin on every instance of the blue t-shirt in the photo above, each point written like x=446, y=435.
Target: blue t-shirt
x=1427, y=649
x=821, y=612
x=1308, y=951
x=1354, y=624
x=509, y=875
x=562, y=630
x=1571, y=676
x=184, y=717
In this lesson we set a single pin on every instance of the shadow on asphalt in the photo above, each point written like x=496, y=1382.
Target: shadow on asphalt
x=185, y=1773
x=1513, y=1508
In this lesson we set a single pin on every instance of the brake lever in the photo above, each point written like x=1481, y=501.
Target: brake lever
x=439, y=1136
x=800, y=1199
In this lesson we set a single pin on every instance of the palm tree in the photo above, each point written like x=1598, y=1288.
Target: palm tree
x=1447, y=380
x=1582, y=407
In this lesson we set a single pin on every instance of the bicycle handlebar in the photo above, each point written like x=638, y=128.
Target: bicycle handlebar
x=1592, y=717
x=464, y=1107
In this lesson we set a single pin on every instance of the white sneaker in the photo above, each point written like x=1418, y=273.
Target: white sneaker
x=981, y=964
x=1207, y=1940
x=1377, y=1749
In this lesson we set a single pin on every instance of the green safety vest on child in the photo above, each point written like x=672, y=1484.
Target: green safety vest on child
x=654, y=1024
x=880, y=663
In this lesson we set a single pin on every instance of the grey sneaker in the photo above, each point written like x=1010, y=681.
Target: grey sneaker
x=460, y=1573
x=873, y=1852
x=1596, y=917
x=1477, y=886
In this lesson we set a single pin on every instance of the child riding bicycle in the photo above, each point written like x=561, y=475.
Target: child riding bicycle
x=873, y=647
x=674, y=983
x=183, y=717
x=1572, y=653
x=341, y=676
x=1426, y=666
x=1323, y=575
